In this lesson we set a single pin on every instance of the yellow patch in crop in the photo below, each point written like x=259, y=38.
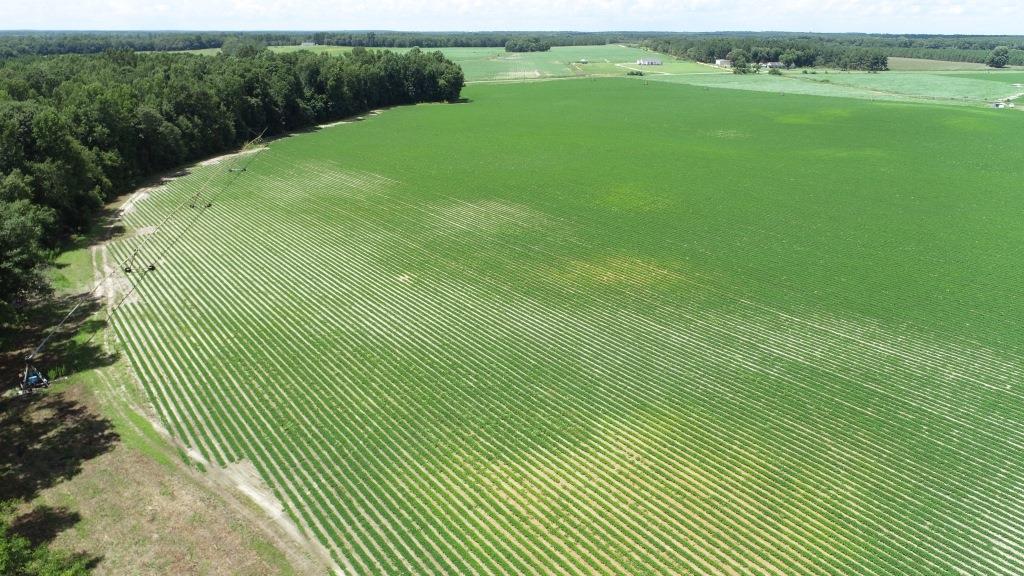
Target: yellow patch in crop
x=616, y=270
x=633, y=197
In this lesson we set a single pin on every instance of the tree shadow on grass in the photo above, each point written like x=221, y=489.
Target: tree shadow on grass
x=70, y=350
x=43, y=523
x=45, y=438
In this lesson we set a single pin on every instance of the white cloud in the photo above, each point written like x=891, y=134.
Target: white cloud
x=936, y=16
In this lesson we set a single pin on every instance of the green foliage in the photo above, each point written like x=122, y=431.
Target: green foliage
x=741, y=63
x=790, y=58
x=25, y=231
x=775, y=72
x=999, y=57
x=527, y=45
x=18, y=557
x=850, y=51
x=242, y=47
x=791, y=50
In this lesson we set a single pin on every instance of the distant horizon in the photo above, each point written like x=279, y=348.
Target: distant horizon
x=481, y=31
x=932, y=17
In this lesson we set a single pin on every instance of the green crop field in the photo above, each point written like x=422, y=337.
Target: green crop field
x=605, y=326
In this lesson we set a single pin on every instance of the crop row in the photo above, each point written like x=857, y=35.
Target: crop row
x=427, y=394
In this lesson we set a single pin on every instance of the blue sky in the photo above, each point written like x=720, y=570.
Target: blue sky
x=921, y=16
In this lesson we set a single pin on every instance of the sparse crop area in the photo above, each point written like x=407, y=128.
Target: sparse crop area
x=608, y=326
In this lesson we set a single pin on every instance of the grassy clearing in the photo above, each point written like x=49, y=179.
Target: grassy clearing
x=937, y=87
x=644, y=328
x=332, y=50
x=955, y=89
x=898, y=64
x=1002, y=76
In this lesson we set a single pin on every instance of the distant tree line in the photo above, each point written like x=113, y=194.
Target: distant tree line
x=845, y=51
x=1014, y=57
x=77, y=130
x=471, y=39
x=527, y=45
x=43, y=43
x=837, y=50
x=750, y=50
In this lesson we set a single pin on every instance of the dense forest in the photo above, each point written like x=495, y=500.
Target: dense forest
x=473, y=39
x=527, y=45
x=846, y=51
x=791, y=51
x=41, y=43
x=77, y=130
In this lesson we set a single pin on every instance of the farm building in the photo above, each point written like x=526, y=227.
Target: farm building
x=774, y=65
x=723, y=63
x=647, y=62
x=308, y=43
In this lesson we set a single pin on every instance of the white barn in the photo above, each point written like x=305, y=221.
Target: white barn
x=723, y=63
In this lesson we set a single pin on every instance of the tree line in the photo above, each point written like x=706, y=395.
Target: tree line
x=527, y=45
x=1013, y=56
x=750, y=50
x=78, y=130
x=472, y=39
x=839, y=49
x=845, y=51
x=41, y=43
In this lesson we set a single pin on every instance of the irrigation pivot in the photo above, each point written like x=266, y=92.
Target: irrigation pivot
x=32, y=377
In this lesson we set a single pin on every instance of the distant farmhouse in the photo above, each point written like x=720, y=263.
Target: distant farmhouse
x=774, y=65
x=723, y=63
x=647, y=62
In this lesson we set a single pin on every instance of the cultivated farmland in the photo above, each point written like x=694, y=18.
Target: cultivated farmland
x=609, y=327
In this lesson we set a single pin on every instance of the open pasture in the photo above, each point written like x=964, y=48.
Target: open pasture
x=610, y=327
x=1001, y=76
x=965, y=88
x=897, y=63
